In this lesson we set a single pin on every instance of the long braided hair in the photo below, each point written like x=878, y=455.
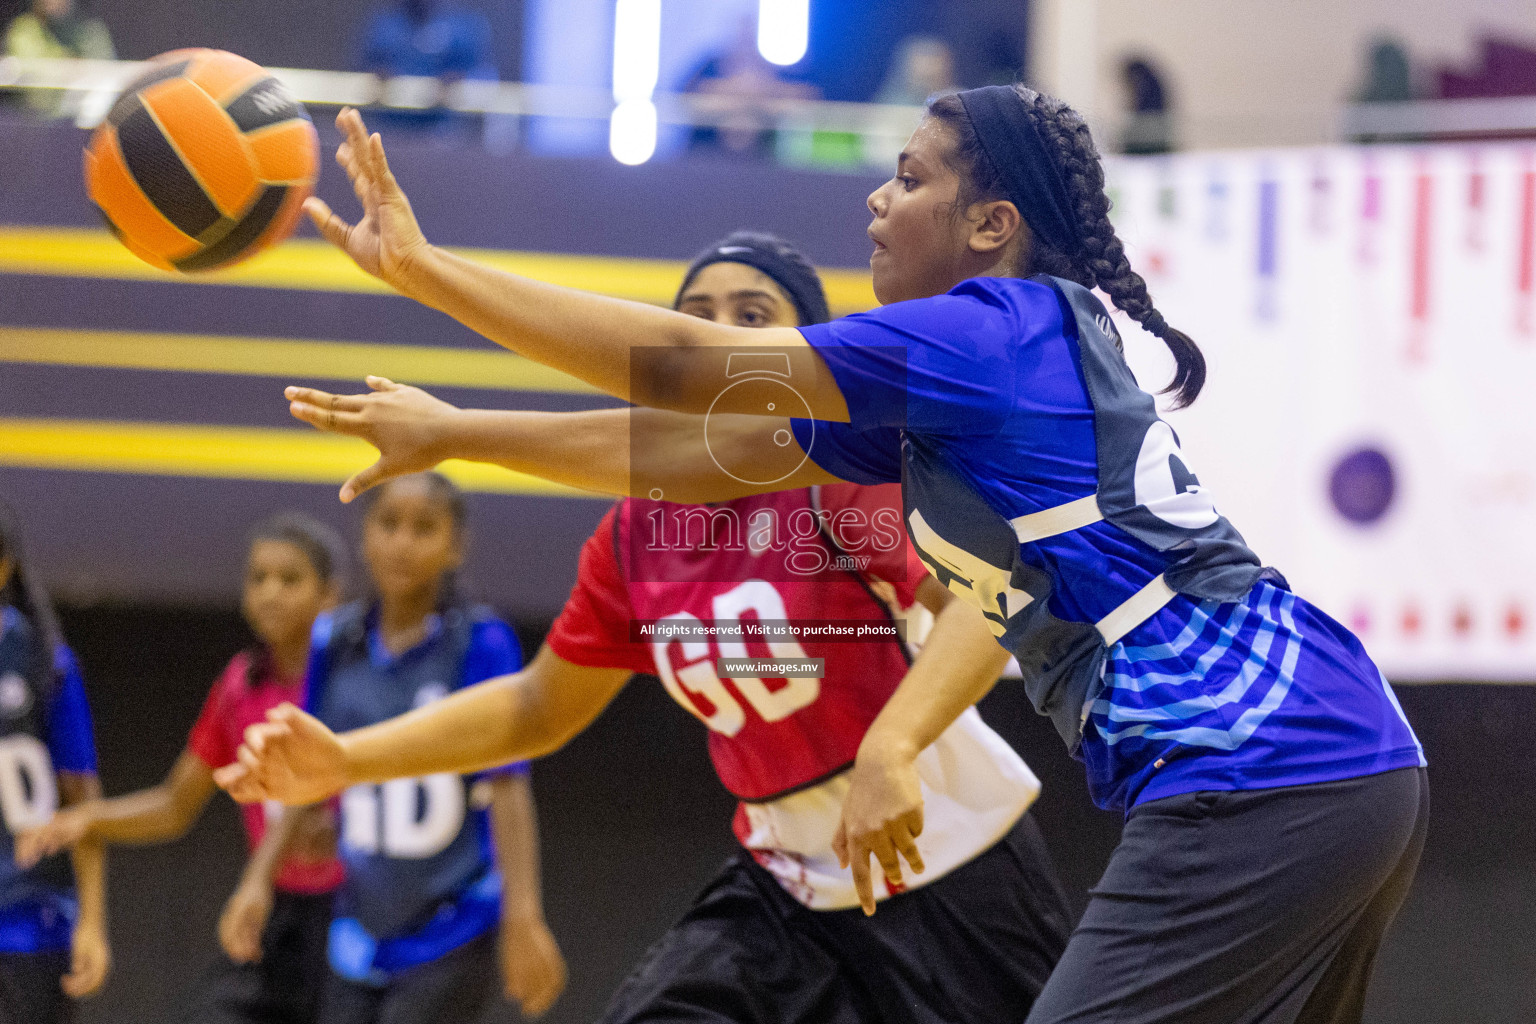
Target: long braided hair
x=1101, y=262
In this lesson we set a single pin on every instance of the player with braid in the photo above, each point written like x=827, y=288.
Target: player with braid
x=1275, y=797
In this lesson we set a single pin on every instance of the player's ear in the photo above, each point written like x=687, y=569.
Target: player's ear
x=7, y=566
x=994, y=225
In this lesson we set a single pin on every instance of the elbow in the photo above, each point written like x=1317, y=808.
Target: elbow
x=684, y=374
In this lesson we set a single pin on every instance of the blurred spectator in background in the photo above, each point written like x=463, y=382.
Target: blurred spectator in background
x=1148, y=125
x=427, y=39
x=738, y=88
x=1388, y=74
x=923, y=66
x=53, y=28
x=920, y=68
x=1386, y=78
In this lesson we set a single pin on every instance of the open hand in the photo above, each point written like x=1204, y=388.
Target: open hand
x=532, y=969
x=66, y=828
x=882, y=816
x=291, y=758
x=387, y=241
x=407, y=426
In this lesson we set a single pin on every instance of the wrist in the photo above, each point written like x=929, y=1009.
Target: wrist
x=353, y=770
x=454, y=434
x=882, y=750
x=415, y=272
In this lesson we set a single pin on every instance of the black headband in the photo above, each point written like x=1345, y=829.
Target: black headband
x=1031, y=177
x=774, y=257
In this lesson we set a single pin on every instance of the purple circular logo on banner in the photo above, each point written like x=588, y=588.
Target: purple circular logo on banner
x=1362, y=486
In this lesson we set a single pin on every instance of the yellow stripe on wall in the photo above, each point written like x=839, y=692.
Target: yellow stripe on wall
x=225, y=453
x=308, y=264
x=293, y=360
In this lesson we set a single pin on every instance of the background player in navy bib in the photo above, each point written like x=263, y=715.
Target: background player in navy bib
x=442, y=870
x=273, y=970
x=1222, y=711
x=778, y=936
x=53, y=941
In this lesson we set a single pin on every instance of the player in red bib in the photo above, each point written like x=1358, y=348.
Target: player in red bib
x=678, y=591
x=274, y=941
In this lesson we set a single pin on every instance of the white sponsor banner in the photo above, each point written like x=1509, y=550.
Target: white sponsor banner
x=1369, y=424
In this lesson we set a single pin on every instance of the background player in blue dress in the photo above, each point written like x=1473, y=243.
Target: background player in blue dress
x=1275, y=798
x=53, y=938
x=273, y=928
x=442, y=871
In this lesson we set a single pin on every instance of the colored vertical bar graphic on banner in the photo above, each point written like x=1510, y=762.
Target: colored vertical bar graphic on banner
x=1419, y=280
x=1269, y=248
x=1216, y=204
x=1370, y=212
x=1477, y=202
x=1524, y=281
x=1321, y=197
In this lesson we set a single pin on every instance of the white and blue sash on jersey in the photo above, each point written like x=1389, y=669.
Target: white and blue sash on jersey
x=1143, y=490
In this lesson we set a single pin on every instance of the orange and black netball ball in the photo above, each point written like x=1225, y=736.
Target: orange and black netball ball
x=202, y=162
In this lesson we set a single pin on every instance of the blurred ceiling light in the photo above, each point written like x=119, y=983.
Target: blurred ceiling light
x=783, y=30
x=636, y=65
x=632, y=132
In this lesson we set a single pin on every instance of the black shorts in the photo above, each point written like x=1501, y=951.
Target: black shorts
x=29, y=988
x=1257, y=907
x=975, y=945
x=284, y=986
x=453, y=989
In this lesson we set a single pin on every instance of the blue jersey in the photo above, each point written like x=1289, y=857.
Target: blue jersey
x=1040, y=483
x=45, y=728
x=421, y=877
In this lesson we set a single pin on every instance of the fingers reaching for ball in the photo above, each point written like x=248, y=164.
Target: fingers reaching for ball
x=387, y=242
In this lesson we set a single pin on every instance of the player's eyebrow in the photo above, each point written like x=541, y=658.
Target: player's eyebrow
x=753, y=293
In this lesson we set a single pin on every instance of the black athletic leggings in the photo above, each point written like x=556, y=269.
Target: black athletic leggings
x=284, y=986
x=453, y=989
x=1257, y=907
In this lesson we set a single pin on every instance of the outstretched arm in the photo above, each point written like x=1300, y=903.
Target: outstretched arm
x=155, y=815
x=644, y=354
x=614, y=451
x=294, y=759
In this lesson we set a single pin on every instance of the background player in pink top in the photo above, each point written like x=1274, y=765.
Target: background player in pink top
x=274, y=941
x=779, y=935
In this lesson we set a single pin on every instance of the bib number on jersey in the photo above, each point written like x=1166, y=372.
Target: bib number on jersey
x=696, y=680
x=29, y=793
x=410, y=819
x=1165, y=484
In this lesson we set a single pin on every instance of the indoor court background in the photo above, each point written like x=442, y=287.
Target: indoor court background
x=142, y=429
